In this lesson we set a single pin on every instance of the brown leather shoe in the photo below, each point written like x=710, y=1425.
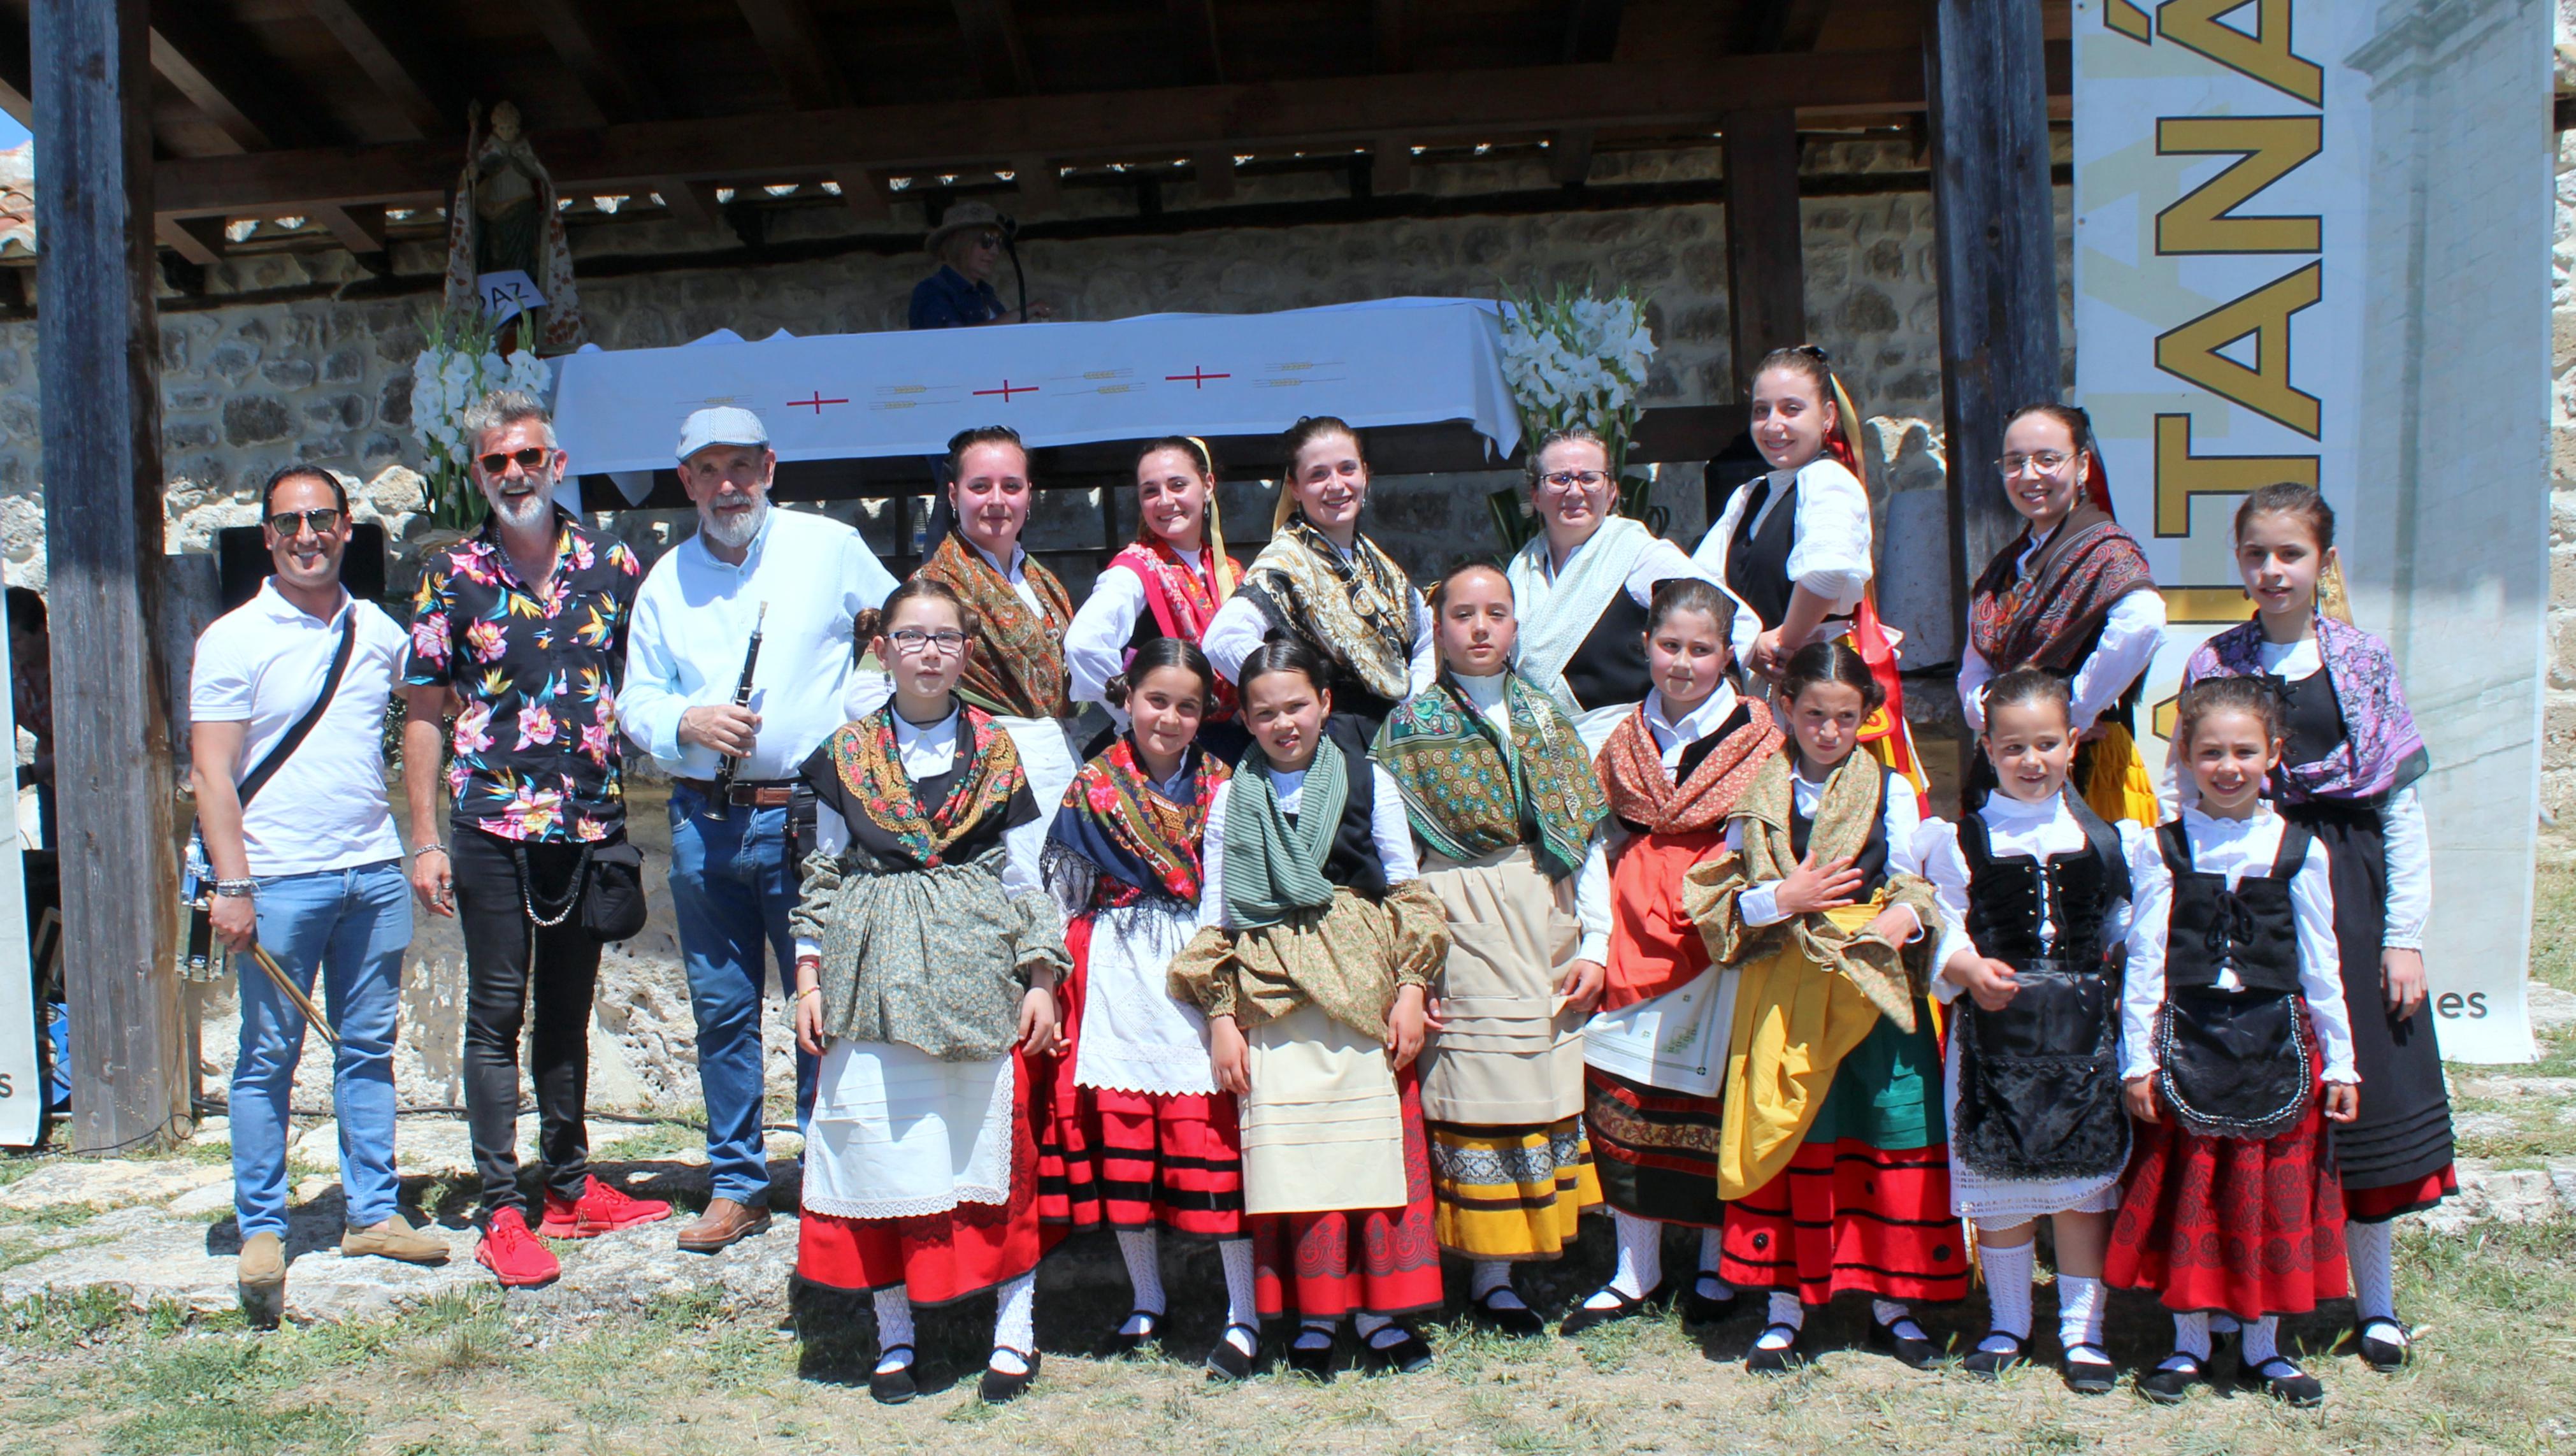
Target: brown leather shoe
x=724, y=1222
x=261, y=1280
x=395, y=1238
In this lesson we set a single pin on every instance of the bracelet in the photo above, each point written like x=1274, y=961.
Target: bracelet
x=804, y=991
x=420, y=850
x=236, y=889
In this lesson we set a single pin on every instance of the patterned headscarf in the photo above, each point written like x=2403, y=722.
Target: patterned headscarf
x=1017, y=667
x=1140, y=842
x=1356, y=610
x=2045, y=617
x=1641, y=792
x=872, y=778
x=1469, y=793
x=2381, y=752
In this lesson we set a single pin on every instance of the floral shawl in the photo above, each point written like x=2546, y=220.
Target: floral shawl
x=2044, y=619
x=1184, y=600
x=1641, y=792
x=1358, y=610
x=1017, y=667
x=2381, y=752
x=1140, y=842
x=870, y=772
x=1470, y=793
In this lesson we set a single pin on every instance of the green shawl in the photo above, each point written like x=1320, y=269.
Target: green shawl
x=1469, y=791
x=1273, y=867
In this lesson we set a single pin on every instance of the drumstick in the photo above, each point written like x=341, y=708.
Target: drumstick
x=302, y=1002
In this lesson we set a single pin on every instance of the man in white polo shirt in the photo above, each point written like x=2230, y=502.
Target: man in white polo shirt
x=736, y=853
x=310, y=868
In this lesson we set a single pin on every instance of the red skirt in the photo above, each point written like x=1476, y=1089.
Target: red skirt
x=1305, y=1265
x=1845, y=1218
x=938, y=1257
x=2230, y=1224
x=2379, y=1205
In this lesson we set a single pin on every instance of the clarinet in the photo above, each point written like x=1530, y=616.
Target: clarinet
x=717, y=807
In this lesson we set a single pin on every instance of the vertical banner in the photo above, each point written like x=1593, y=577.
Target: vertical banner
x=2259, y=218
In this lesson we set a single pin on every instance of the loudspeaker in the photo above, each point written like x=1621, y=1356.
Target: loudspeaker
x=242, y=562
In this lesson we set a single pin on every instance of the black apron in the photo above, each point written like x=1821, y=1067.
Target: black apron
x=2233, y=1062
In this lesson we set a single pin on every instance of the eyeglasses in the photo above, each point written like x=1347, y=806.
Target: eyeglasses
x=988, y=240
x=321, y=521
x=532, y=458
x=1569, y=479
x=2048, y=462
x=912, y=641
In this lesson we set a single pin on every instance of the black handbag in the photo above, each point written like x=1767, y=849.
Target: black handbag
x=607, y=889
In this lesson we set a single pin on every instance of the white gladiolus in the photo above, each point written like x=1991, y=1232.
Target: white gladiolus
x=1575, y=360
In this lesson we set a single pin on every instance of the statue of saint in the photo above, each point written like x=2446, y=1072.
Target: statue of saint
x=502, y=220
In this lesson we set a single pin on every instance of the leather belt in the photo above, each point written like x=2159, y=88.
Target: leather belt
x=747, y=793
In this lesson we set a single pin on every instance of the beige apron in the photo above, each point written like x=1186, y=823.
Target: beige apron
x=1323, y=1127
x=1508, y=1057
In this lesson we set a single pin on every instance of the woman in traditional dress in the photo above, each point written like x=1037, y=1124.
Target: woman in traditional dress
x=1582, y=584
x=1502, y=796
x=2348, y=775
x=1315, y=948
x=1653, y=1055
x=1833, y=1155
x=926, y=950
x=1017, y=670
x=2072, y=594
x=2237, y=1054
x=1168, y=582
x=1327, y=585
x=1138, y=1136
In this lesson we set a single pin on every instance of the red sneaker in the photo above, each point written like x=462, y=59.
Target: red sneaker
x=600, y=1209
x=513, y=1254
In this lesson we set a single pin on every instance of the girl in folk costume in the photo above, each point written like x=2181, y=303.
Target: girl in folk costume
x=1017, y=670
x=1323, y=583
x=1833, y=1153
x=1793, y=545
x=925, y=954
x=1582, y=584
x=1655, y=1053
x=2234, y=995
x=2034, y=892
x=2071, y=595
x=1168, y=582
x=1315, y=947
x=1501, y=792
x=1138, y=1135
x=2347, y=775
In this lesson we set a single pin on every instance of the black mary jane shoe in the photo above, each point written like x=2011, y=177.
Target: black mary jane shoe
x=1408, y=1356
x=1000, y=1385
x=2172, y=1379
x=1775, y=1360
x=1518, y=1321
x=1226, y=1362
x=1315, y=1362
x=2385, y=1356
x=1992, y=1363
x=1914, y=1351
x=1585, y=1316
x=1124, y=1343
x=1701, y=1309
x=2285, y=1382
x=2090, y=1377
x=893, y=1387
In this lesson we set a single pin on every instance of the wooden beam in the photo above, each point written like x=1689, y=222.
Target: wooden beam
x=1387, y=36
x=1350, y=111
x=98, y=363
x=200, y=240
x=1591, y=30
x=1996, y=243
x=1766, y=277
x=794, y=43
x=246, y=96
x=993, y=36
x=1041, y=187
x=398, y=56
x=1390, y=167
x=359, y=227
x=17, y=68
x=864, y=194
x=1569, y=156
x=1212, y=168
x=1782, y=25
x=584, y=35
x=1194, y=34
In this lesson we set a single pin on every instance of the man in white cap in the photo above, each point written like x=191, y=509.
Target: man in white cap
x=737, y=846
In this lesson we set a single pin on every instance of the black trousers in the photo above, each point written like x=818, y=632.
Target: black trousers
x=507, y=958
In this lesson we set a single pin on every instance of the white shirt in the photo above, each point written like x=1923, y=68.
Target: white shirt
x=2131, y=632
x=693, y=622
x=1389, y=831
x=1013, y=573
x=1095, y=645
x=1674, y=735
x=1592, y=880
x=1237, y=629
x=1662, y=562
x=1830, y=540
x=2234, y=848
x=2014, y=828
x=260, y=664
x=1903, y=816
x=2401, y=816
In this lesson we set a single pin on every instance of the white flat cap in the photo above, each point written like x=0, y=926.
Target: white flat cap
x=722, y=425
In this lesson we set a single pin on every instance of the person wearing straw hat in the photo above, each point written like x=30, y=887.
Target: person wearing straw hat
x=286, y=701
x=968, y=244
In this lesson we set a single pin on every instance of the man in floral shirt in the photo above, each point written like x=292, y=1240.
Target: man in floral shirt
x=523, y=625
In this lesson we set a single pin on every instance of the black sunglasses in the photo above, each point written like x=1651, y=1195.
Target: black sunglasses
x=529, y=459
x=321, y=520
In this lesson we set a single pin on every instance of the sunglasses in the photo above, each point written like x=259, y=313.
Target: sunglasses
x=532, y=458
x=321, y=521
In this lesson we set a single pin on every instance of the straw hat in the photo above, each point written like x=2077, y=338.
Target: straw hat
x=961, y=217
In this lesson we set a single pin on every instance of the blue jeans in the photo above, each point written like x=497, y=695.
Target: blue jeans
x=731, y=889
x=353, y=926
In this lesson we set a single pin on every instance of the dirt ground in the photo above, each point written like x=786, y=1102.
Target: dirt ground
x=2495, y=1371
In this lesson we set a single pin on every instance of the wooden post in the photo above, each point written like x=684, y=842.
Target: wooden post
x=98, y=363
x=1766, y=273
x=1987, y=83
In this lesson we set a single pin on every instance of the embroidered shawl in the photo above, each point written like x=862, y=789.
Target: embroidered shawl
x=1469, y=792
x=1558, y=610
x=1641, y=792
x=1017, y=666
x=1357, y=610
x=2045, y=618
x=1274, y=868
x=2381, y=752
x=1140, y=842
x=1184, y=599
x=872, y=779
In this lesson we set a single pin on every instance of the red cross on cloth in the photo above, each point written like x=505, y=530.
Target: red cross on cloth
x=1008, y=389
x=817, y=402
x=1197, y=377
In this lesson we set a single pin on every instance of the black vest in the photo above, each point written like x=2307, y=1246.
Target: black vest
x=2315, y=719
x=1872, y=859
x=2251, y=928
x=1757, y=563
x=2005, y=905
x=1610, y=666
x=1353, y=859
x=1698, y=751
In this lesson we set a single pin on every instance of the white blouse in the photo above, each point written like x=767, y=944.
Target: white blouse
x=1830, y=554
x=2132, y=631
x=1014, y=573
x=1237, y=629
x=1592, y=881
x=1673, y=735
x=1759, y=905
x=2235, y=848
x=1095, y=645
x=1389, y=831
x=2014, y=828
